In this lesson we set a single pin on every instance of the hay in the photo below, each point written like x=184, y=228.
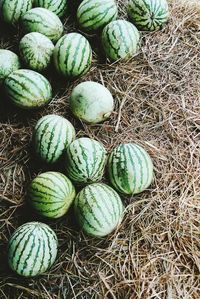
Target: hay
x=155, y=252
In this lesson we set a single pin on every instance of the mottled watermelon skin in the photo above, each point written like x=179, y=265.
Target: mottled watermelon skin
x=44, y=21
x=52, y=135
x=59, y=7
x=9, y=62
x=98, y=209
x=32, y=249
x=120, y=40
x=28, y=89
x=94, y=15
x=51, y=194
x=72, y=55
x=130, y=169
x=36, y=51
x=148, y=15
x=13, y=10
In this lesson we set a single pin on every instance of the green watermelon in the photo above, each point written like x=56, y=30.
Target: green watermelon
x=120, y=40
x=72, y=55
x=9, y=62
x=13, y=10
x=59, y=7
x=28, y=89
x=85, y=160
x=91, y=102
x=51, y=194
x=98, y=209
x=93, y=15
x=32, y=249
x=36, y=51
x=43, y=21
x=52, y=134
x=130, y=169
x=148, y=15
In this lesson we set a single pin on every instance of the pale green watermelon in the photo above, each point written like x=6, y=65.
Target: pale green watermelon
x=9, y=62
x=12, y=10
x=59, y=7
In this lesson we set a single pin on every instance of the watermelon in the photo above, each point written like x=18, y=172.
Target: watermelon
x=51, y=194
x=120, y=40
x=148, y=15
x=9, y=62
x=28, y=89
x=93, y=15
x=13, y=10
x=52, y=134
x=98, y=209
x=59, y=7
x=36, y=51
x=85, y=160
x=32, y=249
x=130, y=169
x=43, y=21
x=72, y=55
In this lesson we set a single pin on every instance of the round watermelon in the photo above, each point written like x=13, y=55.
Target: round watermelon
x=52, y=134
x=51, y=194
x=93, y=15
x=13, y=10
x=91, y=102
x=85, y=160
x=98, y=209
x=148, y=15
x=130, y=169
x=32, y=249
x=43, y=21
x=59, y=7
x=9, y=62
x=120, y=40
x=28, y=89
x=72, y=55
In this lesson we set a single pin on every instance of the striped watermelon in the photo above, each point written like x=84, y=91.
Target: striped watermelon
x=93, y=15
x=98, y=209
x=28, y=89
x=130, y=168
x=36, y=51
x=120, y=40
x=148, y=15
x=85, y=160
x=13, y=10
x=91, y=102
x=52, y=134
x=72, y=55
x=59, y=7
x=43, y=21
x=9, y=62
x=51, y=194
x=32, y=249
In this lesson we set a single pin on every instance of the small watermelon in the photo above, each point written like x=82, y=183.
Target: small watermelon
x=130, y=169
x=43, y=21
x=98, y=209
x=9, y=62
x=13, y=10
x=32, y=249
x=59, y=7
x=28, y=89
x=93, y=15
x=85, y=160
x=52, y=134
x=91, y=102
x=120, y=40
x=72, y=55
x=36, y=51
x=51, y=194
x=148, y=15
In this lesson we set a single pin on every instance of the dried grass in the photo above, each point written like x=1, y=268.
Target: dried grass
x=155, y=252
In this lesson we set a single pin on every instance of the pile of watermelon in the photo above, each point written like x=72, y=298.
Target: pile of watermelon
x=98, y=207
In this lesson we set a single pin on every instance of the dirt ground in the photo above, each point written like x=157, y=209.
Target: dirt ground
x=155, y=252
